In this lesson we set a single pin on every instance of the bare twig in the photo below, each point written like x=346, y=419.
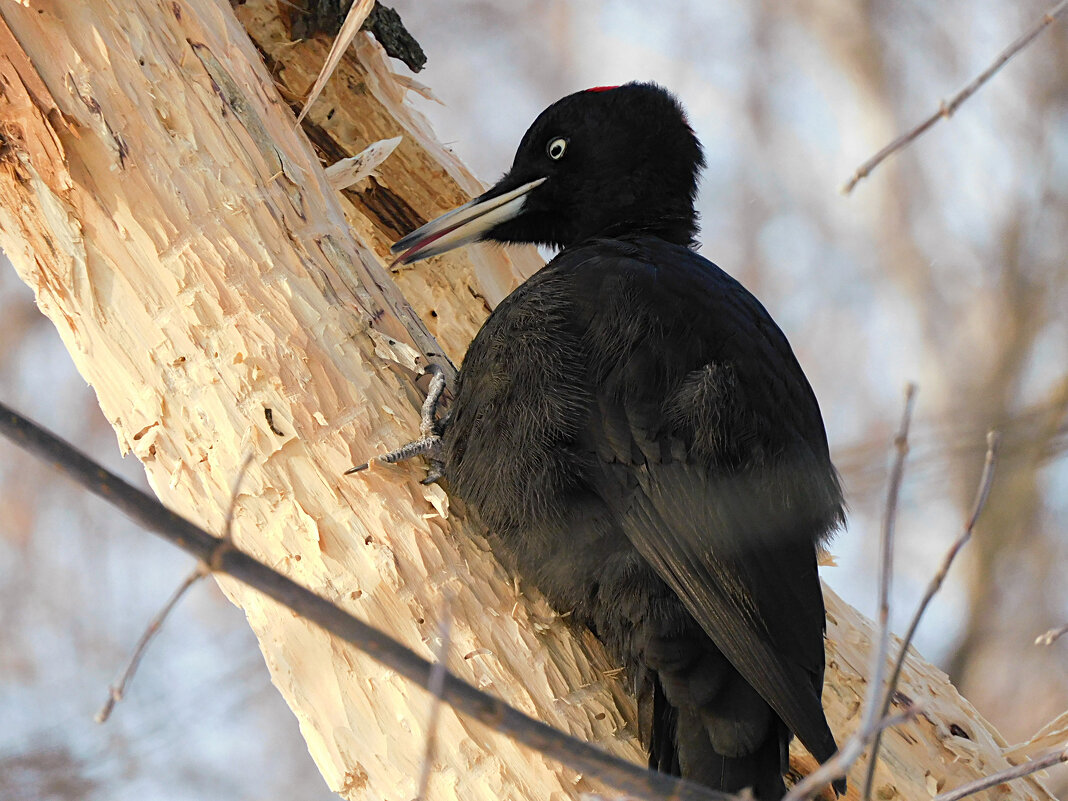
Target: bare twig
x=946, y=109
x=118, y=689
x=228, y=521
x=1047, y=760
x=435, y=684
x=1051, y=636
x=871, y=722
x=223, y=557
x=838, y=765
x=886, y=559
x=981, y=495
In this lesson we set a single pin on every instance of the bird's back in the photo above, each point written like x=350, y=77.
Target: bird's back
x=635, y=430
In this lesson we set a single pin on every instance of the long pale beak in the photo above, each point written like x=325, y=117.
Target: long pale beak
x=462, y=225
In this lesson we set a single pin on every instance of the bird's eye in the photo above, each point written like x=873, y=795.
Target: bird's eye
x=556, y=148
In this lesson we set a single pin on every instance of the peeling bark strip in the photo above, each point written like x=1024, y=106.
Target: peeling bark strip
x=182, y=236
x=310, y=17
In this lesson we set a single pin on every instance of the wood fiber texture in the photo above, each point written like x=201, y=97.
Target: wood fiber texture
x=179, y=231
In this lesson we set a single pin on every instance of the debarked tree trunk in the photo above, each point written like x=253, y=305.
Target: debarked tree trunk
x=178, y=230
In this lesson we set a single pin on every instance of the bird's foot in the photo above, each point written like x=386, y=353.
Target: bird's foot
x=429, y=427
x=429, y=442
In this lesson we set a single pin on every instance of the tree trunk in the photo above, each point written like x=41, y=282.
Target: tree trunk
x=178, y=230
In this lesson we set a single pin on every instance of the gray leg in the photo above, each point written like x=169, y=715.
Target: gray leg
x=429, y=443
x=429, y=425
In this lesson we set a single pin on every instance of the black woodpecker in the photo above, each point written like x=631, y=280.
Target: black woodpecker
x=636, y=432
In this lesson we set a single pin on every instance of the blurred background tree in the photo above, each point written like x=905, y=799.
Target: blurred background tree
x=948, y=266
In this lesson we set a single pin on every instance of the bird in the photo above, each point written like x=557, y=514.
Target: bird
x=636, y=433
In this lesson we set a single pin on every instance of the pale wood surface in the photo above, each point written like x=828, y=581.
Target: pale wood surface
x=180, y=233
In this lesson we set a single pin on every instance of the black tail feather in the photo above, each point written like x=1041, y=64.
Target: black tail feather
x=663, y=752
x=680, y=745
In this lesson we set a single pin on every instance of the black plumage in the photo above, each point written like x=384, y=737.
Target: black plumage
x=636, y=432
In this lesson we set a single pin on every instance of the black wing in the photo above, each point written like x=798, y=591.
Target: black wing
x=708, y=445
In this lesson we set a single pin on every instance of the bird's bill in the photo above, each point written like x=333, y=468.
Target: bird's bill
x=467, y=223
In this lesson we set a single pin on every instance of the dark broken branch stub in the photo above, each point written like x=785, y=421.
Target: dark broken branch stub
x=308, y=18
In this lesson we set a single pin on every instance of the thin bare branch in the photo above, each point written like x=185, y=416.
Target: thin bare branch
x=117, y=690
x=435, y=684
x=986, y=480
x=223, y=557
x=886, y=560
x=946, y=109
x=871, y=722
x=228, y=522
x=1047, y=760
x=1051, y=636
x=838, y=765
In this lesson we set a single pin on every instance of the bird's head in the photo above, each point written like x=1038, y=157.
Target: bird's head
x=602, y=162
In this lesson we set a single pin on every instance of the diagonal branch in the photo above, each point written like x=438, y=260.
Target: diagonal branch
x=886, y=560
x=220, y=555
x=1047, y=760
x=946, y=109
x=838, y=765
x=117, y=691
x=871, y=723
x=435, y=684
x=982, y=493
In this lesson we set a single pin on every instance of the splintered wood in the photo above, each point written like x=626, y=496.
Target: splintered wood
x=222, y=297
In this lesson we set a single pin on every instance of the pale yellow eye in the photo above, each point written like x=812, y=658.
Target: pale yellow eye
x=556, y=148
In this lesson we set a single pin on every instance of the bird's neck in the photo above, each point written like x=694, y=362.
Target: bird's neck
x=678, y=227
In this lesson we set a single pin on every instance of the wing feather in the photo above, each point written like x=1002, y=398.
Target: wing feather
x=711, y=452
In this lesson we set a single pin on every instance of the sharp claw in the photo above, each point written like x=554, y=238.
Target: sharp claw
x=435, y=473
x=430, y=428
